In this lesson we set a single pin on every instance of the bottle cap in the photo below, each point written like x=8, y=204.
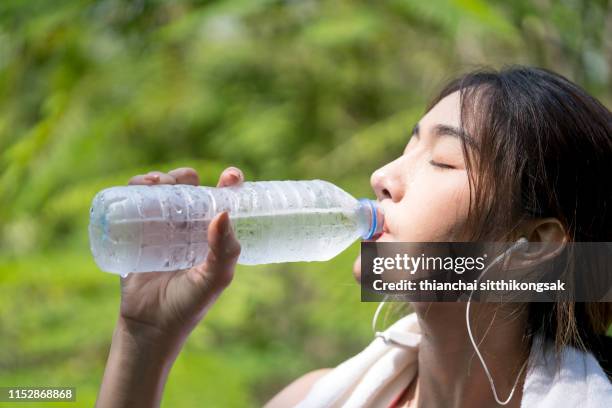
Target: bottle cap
x=377, y=218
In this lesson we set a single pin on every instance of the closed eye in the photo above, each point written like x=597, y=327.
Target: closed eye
x=441, y=165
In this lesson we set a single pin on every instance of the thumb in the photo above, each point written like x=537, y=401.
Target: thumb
x=223, y=253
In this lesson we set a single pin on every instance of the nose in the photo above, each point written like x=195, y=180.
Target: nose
x=387, y=182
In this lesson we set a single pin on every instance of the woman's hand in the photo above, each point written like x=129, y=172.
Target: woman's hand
x=168, y=305
x=160, y=309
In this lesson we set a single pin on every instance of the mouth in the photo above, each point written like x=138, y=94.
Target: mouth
x=384, y=232
x=384, y=235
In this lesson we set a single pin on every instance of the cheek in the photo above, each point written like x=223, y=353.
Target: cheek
x=433, y=208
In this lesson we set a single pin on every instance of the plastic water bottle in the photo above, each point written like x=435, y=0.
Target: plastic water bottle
x=163, y=227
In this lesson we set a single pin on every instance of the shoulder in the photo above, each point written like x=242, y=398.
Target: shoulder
x=297, y=390
x=573, y=377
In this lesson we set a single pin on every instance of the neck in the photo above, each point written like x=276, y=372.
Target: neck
x=450, y=373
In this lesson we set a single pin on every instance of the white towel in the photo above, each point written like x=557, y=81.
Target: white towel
x=375, y=376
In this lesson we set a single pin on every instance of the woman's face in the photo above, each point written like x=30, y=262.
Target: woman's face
x=425, y=191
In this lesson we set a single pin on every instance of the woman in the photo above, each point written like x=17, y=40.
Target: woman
x=498, y=156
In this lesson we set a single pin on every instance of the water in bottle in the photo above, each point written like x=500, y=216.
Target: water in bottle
x=164, y=227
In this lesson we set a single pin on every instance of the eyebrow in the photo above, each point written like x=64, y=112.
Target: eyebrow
x=446, y=130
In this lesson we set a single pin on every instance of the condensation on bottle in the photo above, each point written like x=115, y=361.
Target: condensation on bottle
x=164, y=227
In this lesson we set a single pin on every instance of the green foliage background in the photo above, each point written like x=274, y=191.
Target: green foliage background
x=93, y=92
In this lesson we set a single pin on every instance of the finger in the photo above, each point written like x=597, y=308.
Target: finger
x=224, y=250
x=230, y=177
x=185, y=175
x=139, y=179
x=153, y=177
x=158, y=177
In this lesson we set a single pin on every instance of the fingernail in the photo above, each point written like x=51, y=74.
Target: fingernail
x=235, y=177
x=152, y=177
x=236, y=171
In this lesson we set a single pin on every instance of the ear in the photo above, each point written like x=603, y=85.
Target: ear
x=547, y=239
x=544, y=230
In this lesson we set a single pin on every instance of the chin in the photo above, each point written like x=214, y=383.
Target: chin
x=384, y=237
x=357, y=269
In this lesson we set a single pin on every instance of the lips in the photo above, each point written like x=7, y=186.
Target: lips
x=376, y=237
x=385, y=230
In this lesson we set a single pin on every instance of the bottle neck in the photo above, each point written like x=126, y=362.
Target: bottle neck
x=371, y=218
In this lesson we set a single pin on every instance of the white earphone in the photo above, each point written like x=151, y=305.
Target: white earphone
x=520, y=244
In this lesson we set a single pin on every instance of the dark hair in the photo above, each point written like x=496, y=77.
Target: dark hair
x=545, y=150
